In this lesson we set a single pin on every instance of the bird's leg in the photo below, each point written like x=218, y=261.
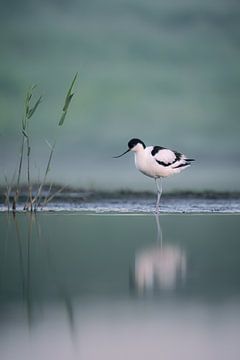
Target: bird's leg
x=159, y=193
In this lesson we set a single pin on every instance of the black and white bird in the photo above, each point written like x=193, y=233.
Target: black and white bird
x=157, y=162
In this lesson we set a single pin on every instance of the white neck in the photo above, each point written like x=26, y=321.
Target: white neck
x=138, y=148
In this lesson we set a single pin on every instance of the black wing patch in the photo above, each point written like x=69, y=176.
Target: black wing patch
x=162, y=163
x=156, y=149
x=178, y=156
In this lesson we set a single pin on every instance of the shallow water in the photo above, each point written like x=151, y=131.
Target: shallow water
x=168, y=205
x=87, y=286
x=141, y=204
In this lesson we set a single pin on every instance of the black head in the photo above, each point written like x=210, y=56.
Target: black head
x=131, y=144
x=134, y=142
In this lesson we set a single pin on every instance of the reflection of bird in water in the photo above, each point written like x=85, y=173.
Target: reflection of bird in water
x=159, y=267
x=157, y=162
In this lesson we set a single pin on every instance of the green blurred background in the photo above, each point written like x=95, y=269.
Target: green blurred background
x=167, y=72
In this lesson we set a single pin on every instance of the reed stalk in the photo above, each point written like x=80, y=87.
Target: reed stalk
x=48, y=199
x=15, y=199
x=7, y=193
x=32, y=203
x=37, y=199
x=67, y=101
x=29, y=110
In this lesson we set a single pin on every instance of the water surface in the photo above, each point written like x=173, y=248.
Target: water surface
x=87, y=286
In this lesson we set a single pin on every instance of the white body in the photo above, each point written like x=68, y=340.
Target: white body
x=149, y=166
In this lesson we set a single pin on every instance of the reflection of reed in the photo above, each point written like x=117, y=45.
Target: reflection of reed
x=25, y=252
x=31, y=218
x=61, y=289
x=25, y=263
x=159, y=267
x=20, y=252
x=57, y=281
x=3, y=254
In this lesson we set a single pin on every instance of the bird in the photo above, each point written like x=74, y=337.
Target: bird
x=157, y=162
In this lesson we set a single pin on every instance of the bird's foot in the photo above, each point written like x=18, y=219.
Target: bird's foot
x=156, y=211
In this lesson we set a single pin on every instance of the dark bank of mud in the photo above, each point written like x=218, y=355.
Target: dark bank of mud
x=135, y=202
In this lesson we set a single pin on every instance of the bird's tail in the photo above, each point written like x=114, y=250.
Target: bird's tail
x=186, y=163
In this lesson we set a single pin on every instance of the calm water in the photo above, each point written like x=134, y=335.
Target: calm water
x=112, y=287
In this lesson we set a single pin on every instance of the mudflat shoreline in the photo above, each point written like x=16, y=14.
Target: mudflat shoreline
x=137, y=202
